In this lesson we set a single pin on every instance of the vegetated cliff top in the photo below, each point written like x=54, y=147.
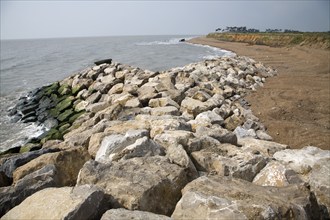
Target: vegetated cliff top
x=319, y=40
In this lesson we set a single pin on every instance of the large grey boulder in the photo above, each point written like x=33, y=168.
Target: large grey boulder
x=147, y=184
x=312, y=165
x=124, y=214
x=215, y=197
x=82, y=202
x=8, y=165
x=114, y=145
x=225, y=160
x=67, y=163
x=276, y=174
x=11, y=196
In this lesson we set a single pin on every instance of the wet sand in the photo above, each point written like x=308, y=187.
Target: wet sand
x=294, y=105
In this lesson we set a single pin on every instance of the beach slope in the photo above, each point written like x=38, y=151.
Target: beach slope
x=295, y=105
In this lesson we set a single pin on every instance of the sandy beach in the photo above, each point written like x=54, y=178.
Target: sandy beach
x=295, y=105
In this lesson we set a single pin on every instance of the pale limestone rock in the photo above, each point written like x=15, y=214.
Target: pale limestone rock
x=162, y=102
x=262, y=135
x=96, y=107
x=217, y=132
x=243, y=133
x=133, y=103
x=110, y=70
x=140, y=148
x=167, y=110
x=160, y=125
x=193, y=106
x=228, y=161
x=266, y=148
x=124, y=214
x=116, y=89
x=81, y=106
x=232, y=122
x=11, y=196
x=121, y=98
x=116, y=143
x=312, y=165
x=123, y=126
x=211, y=197
x=319, y=181
x=302, y=160
x=95, y=142
x=209, y=117
x=108, y=79
x=67, y=170
x=201, y=96
x=82, y=202
x=276, y=174
x=174, y=137
x=147, y=184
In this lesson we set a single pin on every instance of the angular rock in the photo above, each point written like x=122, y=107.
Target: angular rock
x=167, y=110
x=211, y=197
x=67, y=163
x=133, y=103
x=233, y=122
x=141, y=147
x=81, y=202
x=193, y=106
x=242, y=132
x=302, y=160
x=116, y=89
x=201, y=96
x=174, y=137
x=276, y=174
x=146, y=184
x=158, y=126
x=124, y=214
x=96, y=107
x=225, y=160
x=9, y=165
x=262, y=135
x=13, y=195
x=312, y=165
x=209, y=117
x=116, y=143
x=94, y=97
x=162, y=102
x=266, y=148
x=218, y=133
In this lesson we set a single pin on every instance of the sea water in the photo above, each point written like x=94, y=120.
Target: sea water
x=28, y=64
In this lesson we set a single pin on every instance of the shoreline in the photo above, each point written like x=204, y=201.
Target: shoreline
x=149, y=142
x=294, y=105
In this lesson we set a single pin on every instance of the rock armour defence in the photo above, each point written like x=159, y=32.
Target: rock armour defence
x=177, y=144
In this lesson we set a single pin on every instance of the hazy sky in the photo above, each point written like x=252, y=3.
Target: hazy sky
x=43, y=19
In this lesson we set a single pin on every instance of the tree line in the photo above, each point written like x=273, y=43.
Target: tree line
x=244, y=29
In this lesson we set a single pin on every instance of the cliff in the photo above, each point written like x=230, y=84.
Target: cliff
x=314, y=40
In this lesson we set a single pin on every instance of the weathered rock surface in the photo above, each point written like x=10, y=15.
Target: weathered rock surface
x=276, y=174
x=67, y=163
x=226, y=198
x=148, y=184
x=124, y=214
x=312, y=165
x=8, y=165
x=82, y=202
x=146, y=135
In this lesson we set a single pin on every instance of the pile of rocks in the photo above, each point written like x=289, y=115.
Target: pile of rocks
x=182, y=143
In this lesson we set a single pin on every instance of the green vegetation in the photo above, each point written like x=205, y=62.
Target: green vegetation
x=277, y=39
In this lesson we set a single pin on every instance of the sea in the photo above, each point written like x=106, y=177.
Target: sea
x=29, y=64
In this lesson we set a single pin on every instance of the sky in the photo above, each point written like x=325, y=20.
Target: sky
x=51, y=19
